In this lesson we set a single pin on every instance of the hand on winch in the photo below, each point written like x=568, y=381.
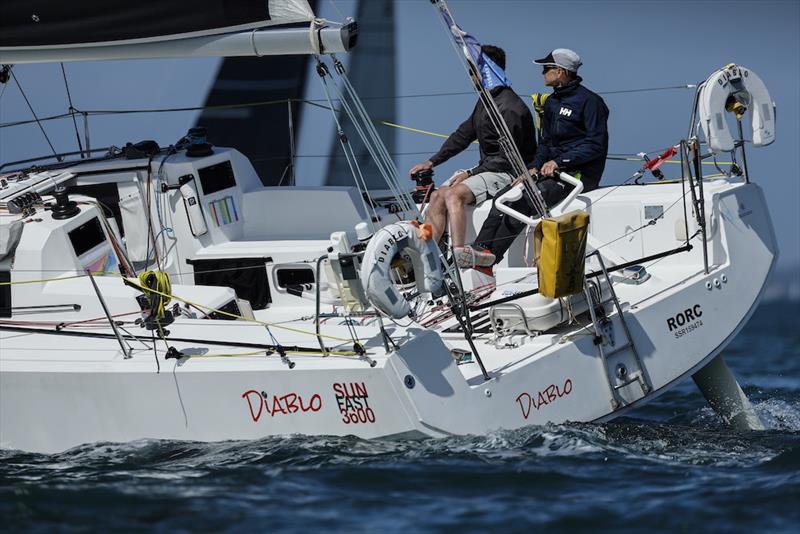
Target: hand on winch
x=549, y=168
x=424, y=166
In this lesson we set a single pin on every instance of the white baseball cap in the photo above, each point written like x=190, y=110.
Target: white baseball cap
x=561, y=57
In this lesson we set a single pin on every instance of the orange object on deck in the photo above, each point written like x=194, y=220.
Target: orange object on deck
x=425, y=231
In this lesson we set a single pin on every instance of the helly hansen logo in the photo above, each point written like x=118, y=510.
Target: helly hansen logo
x=566, y=112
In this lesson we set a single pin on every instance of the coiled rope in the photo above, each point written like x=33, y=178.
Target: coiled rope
x=157, y=287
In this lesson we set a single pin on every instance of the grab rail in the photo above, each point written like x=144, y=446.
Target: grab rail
x=515, y=193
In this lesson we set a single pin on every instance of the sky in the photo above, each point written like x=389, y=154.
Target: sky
x=624, y=45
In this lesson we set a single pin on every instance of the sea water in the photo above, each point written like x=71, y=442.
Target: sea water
x=670, y=467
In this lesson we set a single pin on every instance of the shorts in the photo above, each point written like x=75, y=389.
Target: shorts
x=485, y=185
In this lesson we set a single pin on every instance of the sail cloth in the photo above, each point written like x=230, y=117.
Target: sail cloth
x=55, y=30
x=252, y=130
x=372, y=71
x=56, y=22
x=491, y=74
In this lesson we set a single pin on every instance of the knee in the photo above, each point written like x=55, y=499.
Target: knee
x=454, y=197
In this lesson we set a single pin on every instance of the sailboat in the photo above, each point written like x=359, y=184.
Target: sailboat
x=212, y=308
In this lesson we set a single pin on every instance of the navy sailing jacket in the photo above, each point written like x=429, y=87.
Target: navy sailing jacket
x=575, y=133
x=478, y=126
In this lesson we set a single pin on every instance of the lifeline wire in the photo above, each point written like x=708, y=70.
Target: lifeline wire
x=312, y=102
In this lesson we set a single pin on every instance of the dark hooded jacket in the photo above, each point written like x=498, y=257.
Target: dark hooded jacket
x=478, y=126
x=575, y=133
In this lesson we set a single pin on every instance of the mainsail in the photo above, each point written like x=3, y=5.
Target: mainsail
x=38, y=31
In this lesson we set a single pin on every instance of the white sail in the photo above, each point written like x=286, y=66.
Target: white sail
x=290, y=10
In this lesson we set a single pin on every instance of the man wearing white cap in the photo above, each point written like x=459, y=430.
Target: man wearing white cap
x=574, y=140
x=574, y=122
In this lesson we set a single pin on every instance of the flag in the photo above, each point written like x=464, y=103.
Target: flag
x=491, y=74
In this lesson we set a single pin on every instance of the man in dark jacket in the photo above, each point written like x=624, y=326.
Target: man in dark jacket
x=574, y=140
x=493, y=171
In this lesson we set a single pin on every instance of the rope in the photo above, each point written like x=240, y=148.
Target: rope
x=45, y=280
x=416, y=130
x=24, y=326
x=672, y=161
x=364, y=129
x=157, y=287
x=168, y=296
x=261, y=353
x=233, y=315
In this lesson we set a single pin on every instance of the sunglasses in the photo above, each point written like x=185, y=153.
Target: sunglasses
x=548, y=68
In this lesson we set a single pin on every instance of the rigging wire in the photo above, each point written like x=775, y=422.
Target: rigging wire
x=391, y=169
x=652, y=222
x=373, y=143
x=354, y=120
x=355, y=170
x=505, y=139
x=36, y=118
x=72, y=108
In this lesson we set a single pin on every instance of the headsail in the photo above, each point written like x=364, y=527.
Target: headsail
x=373, y=72
x=114, y=29
x=252, y=130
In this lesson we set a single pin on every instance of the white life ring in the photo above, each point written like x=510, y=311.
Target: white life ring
x=746, y=87
x=376, y=267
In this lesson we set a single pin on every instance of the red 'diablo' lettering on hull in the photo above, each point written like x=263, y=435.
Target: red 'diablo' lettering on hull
x=259, y=402
x=543, y=397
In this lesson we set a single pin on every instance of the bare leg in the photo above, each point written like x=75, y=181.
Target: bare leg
x=456, y=198
x=436, y=215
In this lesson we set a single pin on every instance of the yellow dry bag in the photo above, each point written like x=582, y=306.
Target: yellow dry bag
x=560, y=248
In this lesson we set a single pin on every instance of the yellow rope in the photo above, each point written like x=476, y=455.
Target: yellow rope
x=261, y=353
x=678, y=180
x=19, y=282
x=415, y=130
x=190, y=303
x=434, y=134
x=156, y=283
x=214, y=310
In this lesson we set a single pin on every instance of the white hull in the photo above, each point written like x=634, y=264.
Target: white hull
x=57, y=391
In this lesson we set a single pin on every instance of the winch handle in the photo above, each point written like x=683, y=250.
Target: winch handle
x=515, y=193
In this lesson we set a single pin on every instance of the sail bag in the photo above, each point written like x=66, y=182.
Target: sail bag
x=560, y=250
